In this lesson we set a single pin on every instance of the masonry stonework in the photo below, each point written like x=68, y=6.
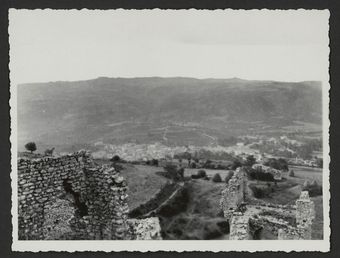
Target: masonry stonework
x=239, y=227
x=69, y=197
x=235, y=193
x=248, y=215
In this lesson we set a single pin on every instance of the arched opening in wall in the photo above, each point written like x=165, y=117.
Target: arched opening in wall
x=81, y=208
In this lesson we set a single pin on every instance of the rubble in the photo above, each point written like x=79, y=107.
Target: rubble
x=246, y=215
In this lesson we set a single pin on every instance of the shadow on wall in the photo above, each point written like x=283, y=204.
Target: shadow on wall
x=81, y=208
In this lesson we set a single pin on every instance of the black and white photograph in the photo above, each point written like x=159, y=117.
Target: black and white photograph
x=138, y=130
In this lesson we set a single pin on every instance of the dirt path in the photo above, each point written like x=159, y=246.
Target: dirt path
x=164, y=134
x=165, y=202
x=214, y=139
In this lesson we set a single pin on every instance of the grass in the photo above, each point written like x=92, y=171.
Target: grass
x=143, y=183
x=303, y=173
x=201, y=219
x=287, y=191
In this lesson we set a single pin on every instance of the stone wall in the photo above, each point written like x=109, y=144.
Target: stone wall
x=247, y=215
x=305, y=214
x=239, y=227
x=235, y=193
x=68, y=197
x=145, y=229
x=295, y=233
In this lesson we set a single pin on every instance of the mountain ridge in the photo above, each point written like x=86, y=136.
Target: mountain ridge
x=83, y=111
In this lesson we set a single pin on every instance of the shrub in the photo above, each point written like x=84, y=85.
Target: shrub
x=229, y=176
x=314, y=189
x=291, y=173
x=180, y=172
x=258, y=192
x=173, y=172
x=217, y=178
x=30, y=146
x=262, y=176
x=250, y=161
x=201, y=173
x=195, y=176
x=117, y=167
x=155, y=162
x=171, y=169
x=236, y=164
x=280, y=164
x=115, y=158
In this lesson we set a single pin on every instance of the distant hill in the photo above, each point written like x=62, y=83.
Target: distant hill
x=66, y=113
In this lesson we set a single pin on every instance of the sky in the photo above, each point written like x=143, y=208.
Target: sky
x=70, y=45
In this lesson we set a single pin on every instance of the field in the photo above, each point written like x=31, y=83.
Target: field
x=307, y=173
x=200, y=217
x=210, y=172
x=143, y=182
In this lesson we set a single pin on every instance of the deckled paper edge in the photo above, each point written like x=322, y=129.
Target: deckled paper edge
x=176, y=245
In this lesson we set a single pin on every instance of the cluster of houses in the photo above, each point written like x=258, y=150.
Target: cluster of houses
x=303, y=162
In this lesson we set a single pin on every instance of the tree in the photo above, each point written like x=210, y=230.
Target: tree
x=115, y=158
x=180, y=172
x=217, y=178
x=236, y=164
x=280, y=164
x=174, y=172
x=155, y=162
x=30, y=146
x=201, y=173
x=250, y=160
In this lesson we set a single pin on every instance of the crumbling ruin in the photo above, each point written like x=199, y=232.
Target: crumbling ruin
x=69, y=197
x=247, y=215
x=235, y=193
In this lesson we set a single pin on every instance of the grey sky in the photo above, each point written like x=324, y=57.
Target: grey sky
x=47, y=45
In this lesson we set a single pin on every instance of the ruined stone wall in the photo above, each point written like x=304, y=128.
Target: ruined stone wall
x=235, y=193
x=69, y=197
x=305, y=211
x=286, y=221
x=305, y=214
x=239, y=227
x=295, y=233
x=145, y=229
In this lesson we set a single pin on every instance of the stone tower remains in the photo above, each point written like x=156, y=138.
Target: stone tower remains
x=235, y=193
